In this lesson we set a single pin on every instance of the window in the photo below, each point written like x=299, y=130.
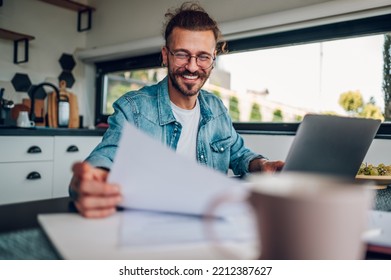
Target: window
x=342, y=77
x=116, y=84
x=117, y=77
x=277, y=78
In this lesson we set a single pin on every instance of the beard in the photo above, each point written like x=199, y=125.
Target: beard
x=187, y=89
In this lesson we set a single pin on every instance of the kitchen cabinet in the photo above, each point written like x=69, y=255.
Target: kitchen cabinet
x=26, y=169
x=25, y=181
x=39, y=167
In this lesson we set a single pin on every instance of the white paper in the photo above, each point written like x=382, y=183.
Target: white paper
x=149, y=228
x=154, y=177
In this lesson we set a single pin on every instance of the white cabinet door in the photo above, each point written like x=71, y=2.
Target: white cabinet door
x=20, y=148
x=67, y=150
x=25, y=181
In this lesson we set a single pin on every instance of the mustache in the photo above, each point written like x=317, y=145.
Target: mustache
x=187, y=72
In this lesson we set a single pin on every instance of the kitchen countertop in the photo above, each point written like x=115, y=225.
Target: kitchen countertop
x=46, y=131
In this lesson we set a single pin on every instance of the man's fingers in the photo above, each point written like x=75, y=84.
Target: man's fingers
x=99, y=213
x=80, y=168
x=279, y=165
x=85, y=171
x=94, y=198
x=97, y=207
x=98, y=188
x=95, y=213
x=272, y=166
x=94, y=202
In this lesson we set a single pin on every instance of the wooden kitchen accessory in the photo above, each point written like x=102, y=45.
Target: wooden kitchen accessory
x=53, y=107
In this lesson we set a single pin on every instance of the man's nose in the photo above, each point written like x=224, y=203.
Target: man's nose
x=192, y=65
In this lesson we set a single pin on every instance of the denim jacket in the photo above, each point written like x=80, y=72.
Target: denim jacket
x=219, y=146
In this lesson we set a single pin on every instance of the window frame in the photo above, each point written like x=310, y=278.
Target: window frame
x=103, y=68
x=332, y=31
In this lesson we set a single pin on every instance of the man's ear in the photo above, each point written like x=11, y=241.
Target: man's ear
x=164, y=56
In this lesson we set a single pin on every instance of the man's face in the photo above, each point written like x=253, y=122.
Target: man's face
x=189, y=78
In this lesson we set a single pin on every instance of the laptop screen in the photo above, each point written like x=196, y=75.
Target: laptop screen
x=331, y=145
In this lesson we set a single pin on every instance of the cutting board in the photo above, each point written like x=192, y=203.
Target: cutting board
x=74, y=120
x=73, y=107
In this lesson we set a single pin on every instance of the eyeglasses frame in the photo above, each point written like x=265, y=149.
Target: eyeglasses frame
x=189, y=59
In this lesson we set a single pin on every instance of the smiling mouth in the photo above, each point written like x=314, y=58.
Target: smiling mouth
x=190, y=77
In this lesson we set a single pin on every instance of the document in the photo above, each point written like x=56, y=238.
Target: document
x=154, y=177
x=167, y=196
x=152, y=229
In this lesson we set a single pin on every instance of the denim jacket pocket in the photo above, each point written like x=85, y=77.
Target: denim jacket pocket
x=220, y=153
x=221, y=145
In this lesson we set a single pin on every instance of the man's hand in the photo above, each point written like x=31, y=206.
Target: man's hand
x=94, y=197
x=264, y=165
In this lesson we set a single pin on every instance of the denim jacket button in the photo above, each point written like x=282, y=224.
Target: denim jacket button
x=222, y=149
x=202, y=156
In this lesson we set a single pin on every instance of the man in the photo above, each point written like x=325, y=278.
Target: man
x=176, y=111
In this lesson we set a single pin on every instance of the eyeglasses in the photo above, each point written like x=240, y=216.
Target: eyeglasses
x=181, y=58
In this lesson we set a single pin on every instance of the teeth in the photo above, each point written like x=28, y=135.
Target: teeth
x=190, y=77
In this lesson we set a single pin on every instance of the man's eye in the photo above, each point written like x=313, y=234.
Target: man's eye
x=182, y=55
x=204, y=57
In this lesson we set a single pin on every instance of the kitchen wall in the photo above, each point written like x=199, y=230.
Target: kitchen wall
x=131, y=27
x=114, y=22
x=119, y=24
x=55, y=32
x=126, y=20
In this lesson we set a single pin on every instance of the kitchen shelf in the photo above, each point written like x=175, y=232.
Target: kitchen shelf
x=83, y=10
x=17, y=38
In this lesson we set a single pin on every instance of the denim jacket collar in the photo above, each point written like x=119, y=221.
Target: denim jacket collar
x=164, y=106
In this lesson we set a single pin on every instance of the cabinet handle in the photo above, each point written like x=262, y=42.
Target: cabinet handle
x=72, y=149
x=34, y=150
x=33, y=176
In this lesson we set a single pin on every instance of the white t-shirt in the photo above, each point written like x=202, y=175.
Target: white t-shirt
x=189, y=119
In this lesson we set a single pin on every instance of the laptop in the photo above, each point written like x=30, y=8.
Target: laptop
x=337, y=146
x=331, y=145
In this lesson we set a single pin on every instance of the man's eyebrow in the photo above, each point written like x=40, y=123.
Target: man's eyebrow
x=187, y=51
